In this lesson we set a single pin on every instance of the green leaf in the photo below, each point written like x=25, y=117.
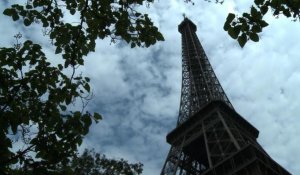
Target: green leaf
x=255, y=14
x=87, y=79
x=87, y=120
x=237, y=30
x=72, y=11
x=8, y=12
x=40, y=154
x=242, y=40
x=226, y=26
x=247, y=15
x=60, y=67
x=29, y=6
x=160, y=37
x=245, y=26
x=253, y=11
x=15, y=16
x=14, y=127
x=79, y=140
x=45, y=22
x=287, y=13
x=34, y=141
x=58, y=50
x=27, y=22
x=63, y=107
x=258, y=2
x=7, y=142
x=77, y=114
x=256, y=29
x=254, y=37
x=132, y=45
x=263, y=23
x=138, y=14
x=87, y=87
x=233, y=32
x=68, y=99
x=274, y=3
x=230, y=17
x=97, y=116
x=264, y=9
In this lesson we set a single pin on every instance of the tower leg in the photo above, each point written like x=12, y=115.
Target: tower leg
x=174, y=158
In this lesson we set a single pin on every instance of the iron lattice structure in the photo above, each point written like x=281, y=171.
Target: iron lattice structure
x=199, y=82
x=210, y=137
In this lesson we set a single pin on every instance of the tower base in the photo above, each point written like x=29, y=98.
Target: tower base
x=218, y=141
x=248, y=161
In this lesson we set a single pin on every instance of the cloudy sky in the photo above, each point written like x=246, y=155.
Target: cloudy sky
x=138, y=90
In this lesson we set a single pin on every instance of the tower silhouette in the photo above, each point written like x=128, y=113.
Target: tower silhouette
x=211, y=138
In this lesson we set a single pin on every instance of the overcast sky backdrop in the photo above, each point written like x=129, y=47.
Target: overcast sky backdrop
x=138, y=90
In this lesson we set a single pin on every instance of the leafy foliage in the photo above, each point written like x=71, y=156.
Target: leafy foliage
x=36, y=98
x=90, y=163
x=35, y=95
x=249, y=25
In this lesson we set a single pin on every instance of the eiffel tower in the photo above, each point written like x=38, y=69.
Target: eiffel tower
x=211, y=138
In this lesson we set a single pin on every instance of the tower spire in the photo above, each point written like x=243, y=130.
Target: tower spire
x=199, y=82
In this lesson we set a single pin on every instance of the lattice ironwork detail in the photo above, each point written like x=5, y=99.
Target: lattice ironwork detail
x=218, y=142
x=199, y=82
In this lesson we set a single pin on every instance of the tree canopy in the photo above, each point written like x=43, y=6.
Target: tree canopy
x=250, y=24
x=36, y=96
x=88, y=163
x=92, y=163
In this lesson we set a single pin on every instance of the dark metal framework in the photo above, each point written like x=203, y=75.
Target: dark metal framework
x=199, y=82
x=210, y=137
